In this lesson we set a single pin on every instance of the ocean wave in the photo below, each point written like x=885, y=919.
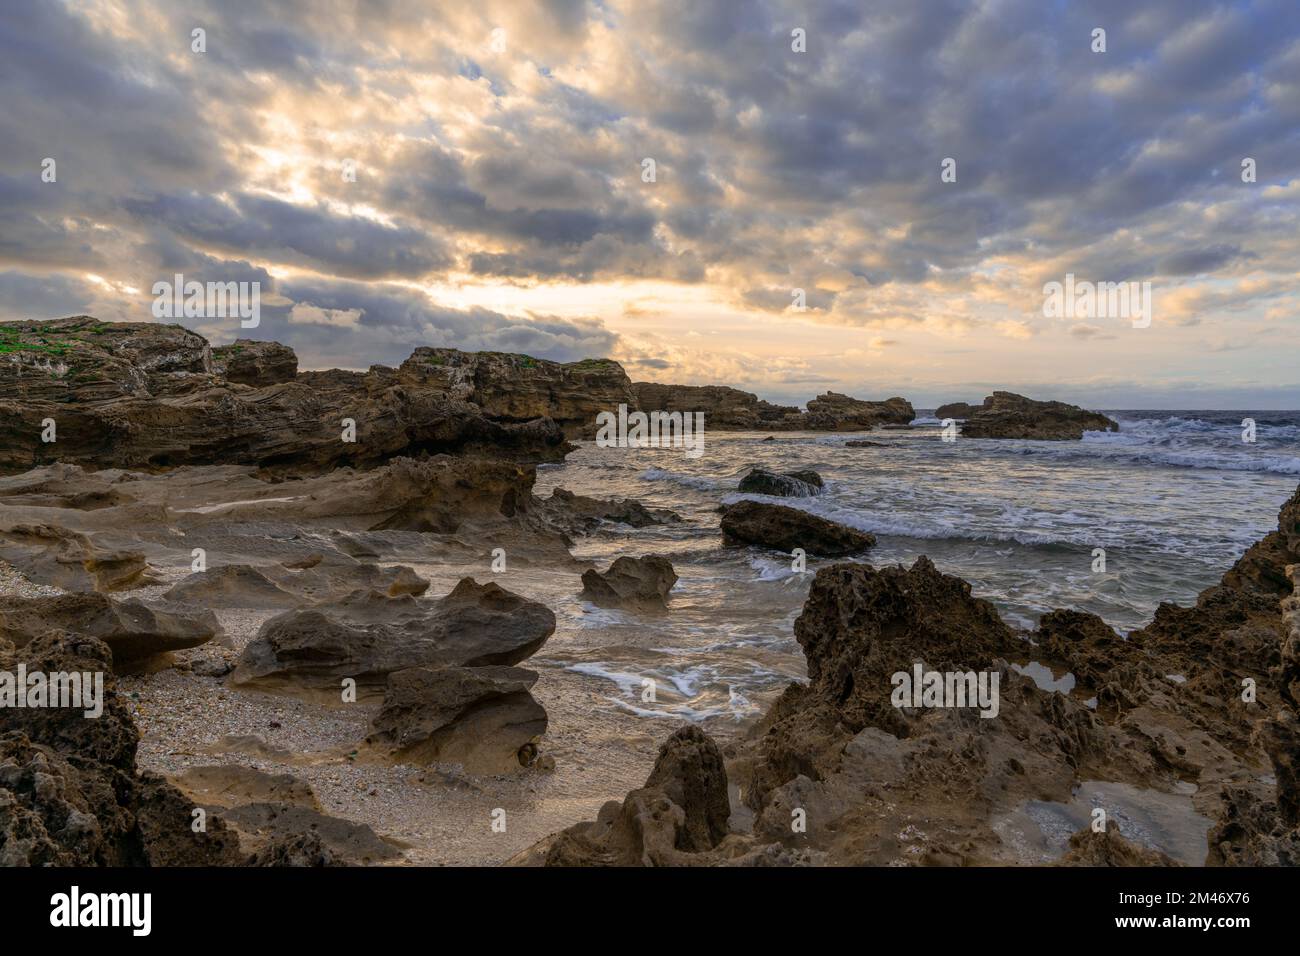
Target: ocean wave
x=698, y=482
x=1125, y=452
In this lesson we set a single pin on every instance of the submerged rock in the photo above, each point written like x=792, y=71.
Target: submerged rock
x=483, y=718
x=784, y=529
x=1008, y=415
x=637, y=583
x=576, y=514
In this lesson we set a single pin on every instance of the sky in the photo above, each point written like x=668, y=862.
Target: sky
x=500, y=196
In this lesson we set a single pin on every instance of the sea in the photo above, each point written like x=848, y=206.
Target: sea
x=1113, y=524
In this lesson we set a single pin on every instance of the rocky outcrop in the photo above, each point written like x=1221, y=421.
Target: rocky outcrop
x=674, y=820
x=247, y=362
x=785, y=529
x=730, y=408
x=483, y=718
x=634, y=583
x=960, y=410
x=369, y=634
x=723, y=407
x=57, y=556
x=133, y=632
x=840, y=413
x=1008, y=415
x=70, y=794
x=520, y=388
x=148, y=395
x=799, y=484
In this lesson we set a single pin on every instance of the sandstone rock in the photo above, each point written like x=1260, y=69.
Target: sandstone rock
x=133, y=631
x=483, y=718
x=576, y=514
x=1008, y=415
x=803, y=484
x=274, y=587
x=368, y=635
x=248, y=362
x=58, y=557
x=637, y=583
x=283, y=834
x=519, y=387
x=674, y=820
x=783, y=528
x=148, y=395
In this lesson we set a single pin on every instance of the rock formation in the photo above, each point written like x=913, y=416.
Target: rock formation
x=70, y=794
x=369, y=634
x=800, y=484
x=133, y=632
x=674, y=820
x=483, y=718
x=634, y=583
x=149, y=395
x=784, y=529
x=729, y=408
x=961, y=410
x=1008, y=415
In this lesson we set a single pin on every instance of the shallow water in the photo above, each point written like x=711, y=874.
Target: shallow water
x=1173, y=499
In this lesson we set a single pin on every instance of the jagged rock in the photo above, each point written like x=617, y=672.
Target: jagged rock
x=960, y=410
x=69, y=791
x=483, y=718
x=638, y=583
x=1008, y=415
x=674, y=820
x=575, y=514
x=369, y=635
x=1090, y=848
x=133, y=631
x=1084, y=643
x=248, y=362
x=783, y=528
x=801, y=484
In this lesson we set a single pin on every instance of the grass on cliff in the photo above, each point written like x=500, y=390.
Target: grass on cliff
x=47, y=342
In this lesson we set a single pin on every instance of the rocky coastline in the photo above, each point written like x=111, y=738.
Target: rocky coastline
x=233, y=542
